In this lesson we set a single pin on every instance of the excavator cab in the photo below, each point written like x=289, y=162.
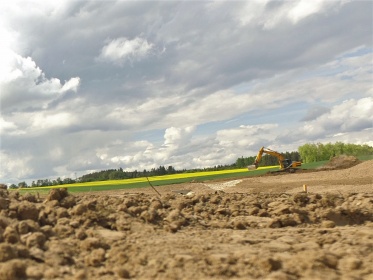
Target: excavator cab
x=286, y=163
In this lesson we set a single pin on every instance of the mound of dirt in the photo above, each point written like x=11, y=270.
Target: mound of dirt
x=214, y=235
x=340, y=162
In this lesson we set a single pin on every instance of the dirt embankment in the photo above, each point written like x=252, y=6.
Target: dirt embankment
x=340, y=162
x=222, y=230
x=358, y=178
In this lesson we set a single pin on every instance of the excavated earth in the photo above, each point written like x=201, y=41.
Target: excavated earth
x=253, y=228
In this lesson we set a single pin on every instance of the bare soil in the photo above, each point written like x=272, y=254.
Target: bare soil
x=263, y=227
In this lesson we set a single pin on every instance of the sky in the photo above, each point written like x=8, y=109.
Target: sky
x=96, y=85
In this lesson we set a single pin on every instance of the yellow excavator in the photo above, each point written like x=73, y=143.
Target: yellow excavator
x=285, y=164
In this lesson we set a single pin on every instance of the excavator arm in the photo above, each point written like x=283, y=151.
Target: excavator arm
x=285, y=164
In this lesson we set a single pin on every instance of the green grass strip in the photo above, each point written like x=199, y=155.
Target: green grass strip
x=159, y=180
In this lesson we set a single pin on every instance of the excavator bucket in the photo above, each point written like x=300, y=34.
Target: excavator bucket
x=251, y=167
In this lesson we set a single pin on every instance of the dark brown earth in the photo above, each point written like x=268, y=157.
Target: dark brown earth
x=254, y=228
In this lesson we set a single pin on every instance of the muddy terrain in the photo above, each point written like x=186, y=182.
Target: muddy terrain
x=263, y=227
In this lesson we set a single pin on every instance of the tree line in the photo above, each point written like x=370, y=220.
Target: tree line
x=306, y=153
x=319, y=151
x=116, y=174
x=44, y=183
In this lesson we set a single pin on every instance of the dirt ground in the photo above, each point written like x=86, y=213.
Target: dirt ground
x=263, y=227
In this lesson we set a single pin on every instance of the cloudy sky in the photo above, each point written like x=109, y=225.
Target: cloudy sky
x=93, y=85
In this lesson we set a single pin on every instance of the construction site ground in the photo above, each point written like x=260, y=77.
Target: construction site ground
x=264, y=227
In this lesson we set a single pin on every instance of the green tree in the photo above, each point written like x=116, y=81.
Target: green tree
x=116, y=175
x=240, y=162
x=171, y=170
x=319, y=151
x=308, y=152
x=22, y=185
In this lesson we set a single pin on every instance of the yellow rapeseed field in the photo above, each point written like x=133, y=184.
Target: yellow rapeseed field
x=151, y=179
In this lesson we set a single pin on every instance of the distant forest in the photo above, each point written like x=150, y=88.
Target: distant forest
x=117, y=174
x=319, y=151
x=306, y=153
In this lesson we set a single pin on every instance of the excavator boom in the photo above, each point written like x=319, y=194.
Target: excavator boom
x=285, y=164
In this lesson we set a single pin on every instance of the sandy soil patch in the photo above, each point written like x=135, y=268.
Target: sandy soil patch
x=252, y=228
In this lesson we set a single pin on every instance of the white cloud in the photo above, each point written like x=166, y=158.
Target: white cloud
x=24, y=85
x=44, y=120
x=71, y=84
x=349, y=117
x=15, y=167
x=56, y=153
x=146, y=155
x=304, y=8
x=315, y=112
x=7, y=39
x=137, y=155
x=260, y=12
x=176, y=137
x=246, y=136
x=251, y=12
x=183, y=148
x=121, y=49
x=326, y=84
x=7, y=126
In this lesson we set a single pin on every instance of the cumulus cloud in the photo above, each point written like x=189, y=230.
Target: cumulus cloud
x=122, y=49
x=7, y=126
x=270, y=14
x=15, y=168
x=50, y=120
x=175, y=137
x=71, y=85
x=24, y=85
x=315, y=112
x=247, y=136
x=147, y=155
x=303, y=8
x=183, y=148
x=352, y=115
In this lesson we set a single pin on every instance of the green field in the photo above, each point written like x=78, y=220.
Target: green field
x=157, y=180
x=171, y=179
